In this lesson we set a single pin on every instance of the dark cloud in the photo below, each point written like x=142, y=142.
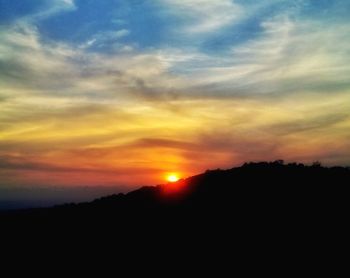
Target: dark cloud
x=162, y=143
x=24, y=164
x=306, y=124
x=13, y=163
x=3, y=98
x=205, y=146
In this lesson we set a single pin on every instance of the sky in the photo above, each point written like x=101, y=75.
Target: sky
x=101, y=95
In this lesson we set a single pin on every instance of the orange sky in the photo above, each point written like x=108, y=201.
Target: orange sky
x=215, y=84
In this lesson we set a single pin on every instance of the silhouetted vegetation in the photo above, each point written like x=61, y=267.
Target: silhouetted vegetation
x=267, y=213
x=265, y=191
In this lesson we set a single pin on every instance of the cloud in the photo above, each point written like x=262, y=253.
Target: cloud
x=13, y=163
x=162, y=143
x=289, y=56
x=24, y=164
x=202, y=16
x=27, y=62
x=279, y=91
x=48, y=8
x=309, y=124
x=35, y=66
x=107, y=38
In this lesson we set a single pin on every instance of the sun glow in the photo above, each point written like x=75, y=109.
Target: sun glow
x=172, y=178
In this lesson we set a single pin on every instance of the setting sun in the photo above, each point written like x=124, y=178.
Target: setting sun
x=91, y=106
x=172, y=178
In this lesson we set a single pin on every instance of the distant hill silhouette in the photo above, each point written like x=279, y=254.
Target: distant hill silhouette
x=266, y=191
x=261, y=215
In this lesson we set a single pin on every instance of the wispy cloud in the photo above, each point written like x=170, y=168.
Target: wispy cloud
x=203, y=16
x=49, y=9
x=107, y=38
x=111, y=101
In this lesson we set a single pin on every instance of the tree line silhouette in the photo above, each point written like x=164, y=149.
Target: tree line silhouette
x=261, y=214
x=273, y=189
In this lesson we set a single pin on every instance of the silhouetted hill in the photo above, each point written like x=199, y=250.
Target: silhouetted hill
x=255, y=216
x=259, y=192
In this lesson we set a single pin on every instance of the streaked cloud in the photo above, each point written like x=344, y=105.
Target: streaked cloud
x=203, y=16
x=132, y=98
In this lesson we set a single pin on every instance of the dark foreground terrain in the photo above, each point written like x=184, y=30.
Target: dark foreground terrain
x=256, y=194
x=283, y=218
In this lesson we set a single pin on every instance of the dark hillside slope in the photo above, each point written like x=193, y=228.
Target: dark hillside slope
x=263, y=192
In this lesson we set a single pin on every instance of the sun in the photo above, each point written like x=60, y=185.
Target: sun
x=172, y=177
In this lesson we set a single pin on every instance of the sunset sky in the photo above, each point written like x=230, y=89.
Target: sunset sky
x=101, y=93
